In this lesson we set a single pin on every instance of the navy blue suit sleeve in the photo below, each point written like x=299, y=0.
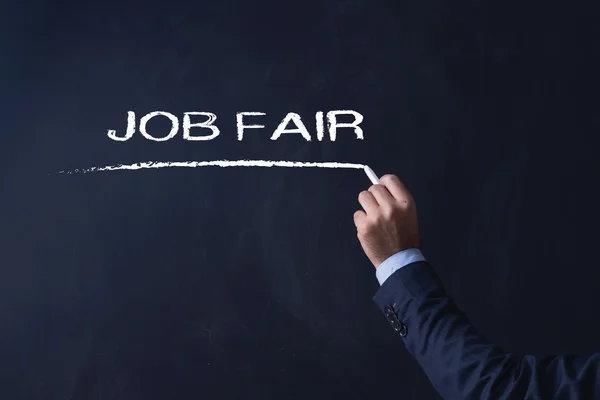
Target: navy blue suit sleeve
x=460, y=362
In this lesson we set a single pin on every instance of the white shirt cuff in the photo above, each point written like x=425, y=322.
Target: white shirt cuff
x=397, y=261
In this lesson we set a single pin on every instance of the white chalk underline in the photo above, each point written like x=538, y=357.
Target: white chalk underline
x=216, y=163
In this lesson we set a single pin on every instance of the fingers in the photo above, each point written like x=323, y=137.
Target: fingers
x=359, y=218
x=382, y=195
x=382, y=198
x=395, y=187
x=368, y=202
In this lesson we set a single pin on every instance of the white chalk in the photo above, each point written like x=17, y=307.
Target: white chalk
x=371, y=174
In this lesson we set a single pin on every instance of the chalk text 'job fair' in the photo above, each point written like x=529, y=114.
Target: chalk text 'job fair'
x=243, y=120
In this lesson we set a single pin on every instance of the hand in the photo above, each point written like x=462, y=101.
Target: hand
x=388, y=223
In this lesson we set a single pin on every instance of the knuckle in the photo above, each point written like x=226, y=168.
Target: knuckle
x=389, y=178
x=357, y=217
x=377, y=219
x=408, y=204
x=388, y=212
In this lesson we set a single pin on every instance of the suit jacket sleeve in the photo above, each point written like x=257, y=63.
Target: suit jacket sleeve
x=460, y=362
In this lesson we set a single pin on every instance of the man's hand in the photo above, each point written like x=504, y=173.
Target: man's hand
x=388, y=223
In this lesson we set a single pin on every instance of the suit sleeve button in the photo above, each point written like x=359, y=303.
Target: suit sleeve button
x=403, y=330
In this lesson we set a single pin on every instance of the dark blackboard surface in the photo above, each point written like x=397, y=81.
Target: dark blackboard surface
x=228, y=283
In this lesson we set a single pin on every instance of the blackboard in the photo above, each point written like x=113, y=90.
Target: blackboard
x=227, y=283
